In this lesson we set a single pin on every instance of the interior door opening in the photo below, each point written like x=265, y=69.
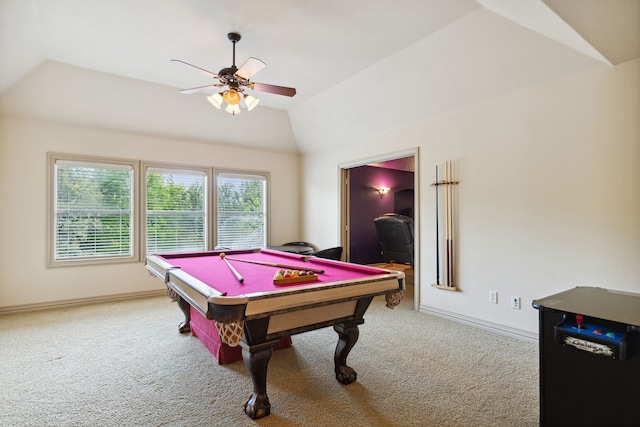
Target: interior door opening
x=371, y=189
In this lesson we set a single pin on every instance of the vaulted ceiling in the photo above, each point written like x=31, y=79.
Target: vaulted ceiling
x=106, y=63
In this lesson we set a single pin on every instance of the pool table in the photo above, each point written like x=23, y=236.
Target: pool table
x=253, y=312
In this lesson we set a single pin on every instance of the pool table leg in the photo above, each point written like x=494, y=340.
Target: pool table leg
x=186, y=309
x=348, y=334
x=256, y=359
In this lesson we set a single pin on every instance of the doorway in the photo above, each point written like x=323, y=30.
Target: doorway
x=373, y=187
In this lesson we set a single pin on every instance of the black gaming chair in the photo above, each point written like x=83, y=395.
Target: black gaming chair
x=395, y=233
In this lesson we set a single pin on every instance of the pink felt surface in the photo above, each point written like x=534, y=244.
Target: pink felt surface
x=209, y=268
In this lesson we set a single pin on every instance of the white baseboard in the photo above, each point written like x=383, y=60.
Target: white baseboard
x=79, y=301
x=482, y=324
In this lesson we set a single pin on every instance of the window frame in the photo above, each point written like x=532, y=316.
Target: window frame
x=52, y=159
x=214, y=194
x=138, y=204
x=208, y=171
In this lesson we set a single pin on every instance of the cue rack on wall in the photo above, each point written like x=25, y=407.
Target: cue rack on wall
x=446, y=215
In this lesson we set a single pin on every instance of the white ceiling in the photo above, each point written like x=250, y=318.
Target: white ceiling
x=88, y=62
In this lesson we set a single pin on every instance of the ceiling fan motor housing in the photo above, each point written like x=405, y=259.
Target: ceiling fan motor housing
x=228, y=73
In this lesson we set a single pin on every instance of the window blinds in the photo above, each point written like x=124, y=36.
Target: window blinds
x=241, y=208
x=93, y=210
x=176, y=210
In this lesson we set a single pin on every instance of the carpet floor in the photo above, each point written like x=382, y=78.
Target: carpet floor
x=125, y=364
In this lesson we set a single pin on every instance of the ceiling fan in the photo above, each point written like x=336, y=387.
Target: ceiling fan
x=237, y=81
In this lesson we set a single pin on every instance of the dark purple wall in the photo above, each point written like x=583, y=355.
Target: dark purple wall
x=366, y=204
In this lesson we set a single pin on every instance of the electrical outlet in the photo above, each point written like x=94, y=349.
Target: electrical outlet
x=493, y=297
x=515, y=303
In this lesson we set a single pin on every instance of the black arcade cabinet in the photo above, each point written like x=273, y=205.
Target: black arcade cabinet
x=589, y=358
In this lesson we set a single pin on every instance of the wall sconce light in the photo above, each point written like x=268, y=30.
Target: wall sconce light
x=382, y=191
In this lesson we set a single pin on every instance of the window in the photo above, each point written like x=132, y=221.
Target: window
x=241, y=210
x=101, y=211
x=93, y=210
x=176, y=214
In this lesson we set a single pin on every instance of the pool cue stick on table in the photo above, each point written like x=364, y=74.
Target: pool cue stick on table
x=233, y=270
x=272, y=264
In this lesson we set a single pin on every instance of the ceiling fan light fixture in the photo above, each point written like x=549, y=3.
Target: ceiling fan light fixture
x=237, y=81
x=216, y=100
x=232, y=109
x=232, y=97
x=251, y=102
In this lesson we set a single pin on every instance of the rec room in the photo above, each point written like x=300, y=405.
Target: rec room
x=504, y=137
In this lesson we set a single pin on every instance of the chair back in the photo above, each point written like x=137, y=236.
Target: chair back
x=395, y=233
x=331, y=253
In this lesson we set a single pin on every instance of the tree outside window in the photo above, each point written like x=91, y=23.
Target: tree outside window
x=241, y=210
x=92, y=210
x=176, y=211
x=93, y=204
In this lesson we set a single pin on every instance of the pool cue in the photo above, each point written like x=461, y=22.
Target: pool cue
x=233, y=270
x=437, y=237
x=453, y=227
x=446, y=227
x=446, y=222
x=272, y=264
x=449, y=180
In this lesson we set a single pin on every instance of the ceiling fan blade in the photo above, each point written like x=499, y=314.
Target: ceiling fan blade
x=209, y=73
x=250, y=68
x=210, y=89
x=278, y=90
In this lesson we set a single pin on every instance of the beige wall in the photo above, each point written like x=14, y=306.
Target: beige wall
x=549, y=194
x=24, y=278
